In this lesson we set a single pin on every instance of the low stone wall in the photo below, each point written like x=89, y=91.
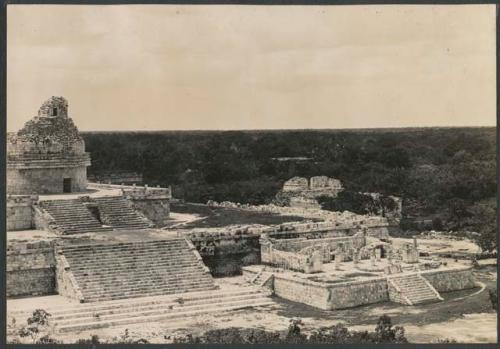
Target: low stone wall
x=302, y=291
x=66, y=283
x=43, y=220
x=291, y=260
x=350, y=294
x=19, y=212
x=225, y=255
x=298, y=244
x=329, y=296
x=30, y=268
x=448, y=280
x=230, y=264
x=156, y=210
x=353, y=294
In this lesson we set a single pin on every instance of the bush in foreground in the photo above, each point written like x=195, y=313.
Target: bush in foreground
x=384, y=332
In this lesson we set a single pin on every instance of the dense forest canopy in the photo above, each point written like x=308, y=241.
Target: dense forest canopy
x=443, y=172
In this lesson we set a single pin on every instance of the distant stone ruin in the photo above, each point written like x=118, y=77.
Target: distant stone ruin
x=318, y=185
x=301, y=192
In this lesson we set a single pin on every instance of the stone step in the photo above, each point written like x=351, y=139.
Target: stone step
x=158, y=317
x=163, y=287
x=108, y=273
x=82, y=228
x=129, y=246
x=147, y=285
x=105, y=259
x=155, y=300
x=415, y=289
x=85, y=279
x=128, y=289
x=126, y=263
x=128, y=243
x=92, y=230
x=117, y=314
x=113, y=249
x=135, y=253
x=138, y=293
x=136, y=269
x=153, y=255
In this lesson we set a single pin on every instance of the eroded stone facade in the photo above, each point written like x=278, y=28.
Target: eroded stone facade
x=47, y=156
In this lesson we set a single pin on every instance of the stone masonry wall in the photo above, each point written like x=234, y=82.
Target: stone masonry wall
x=450, y=280
x=30, y=268
x=225, y=255
x=45, y=180
x=289, y=260
x=301, y=291
x=298, y=244
x=19, y=212
x=358, y=293
x=156, y=211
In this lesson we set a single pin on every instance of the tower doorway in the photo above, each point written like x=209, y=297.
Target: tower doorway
x=67, y=185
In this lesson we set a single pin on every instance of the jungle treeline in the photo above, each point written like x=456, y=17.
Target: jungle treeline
x=446, y=175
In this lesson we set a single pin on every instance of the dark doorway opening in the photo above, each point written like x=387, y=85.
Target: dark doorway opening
x=95, y=212
x=54, y=111
x=67, y=185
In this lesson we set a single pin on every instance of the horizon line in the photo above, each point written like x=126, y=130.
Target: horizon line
x=297, y=129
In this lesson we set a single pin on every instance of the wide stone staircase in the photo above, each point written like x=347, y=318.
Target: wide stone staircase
x=171, y=310
x=111, y=271
x=117, y=212
x=72, y=216
x=411, y=289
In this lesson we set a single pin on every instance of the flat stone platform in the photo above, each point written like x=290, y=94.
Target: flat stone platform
x=348, y=271
x=347, y=285
x=24, y=236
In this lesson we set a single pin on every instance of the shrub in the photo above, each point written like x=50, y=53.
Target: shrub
x=338, y=334
x=493, y=298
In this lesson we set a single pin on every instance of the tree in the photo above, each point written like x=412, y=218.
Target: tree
x=483, y=219
x=385, y=333
x=37, y=327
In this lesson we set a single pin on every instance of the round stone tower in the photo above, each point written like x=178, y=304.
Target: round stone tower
x=47, y=156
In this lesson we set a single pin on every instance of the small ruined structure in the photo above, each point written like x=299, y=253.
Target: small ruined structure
x=316, y=186
x=47, y=156
x=301, y=192
x=329, y=272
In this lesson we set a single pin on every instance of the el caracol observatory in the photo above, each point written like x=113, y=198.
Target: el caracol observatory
x=47, y=156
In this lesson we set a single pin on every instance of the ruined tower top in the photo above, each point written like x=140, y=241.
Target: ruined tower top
x=51, y=131
x=54, y=107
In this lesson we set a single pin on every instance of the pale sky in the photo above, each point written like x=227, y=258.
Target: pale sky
x=166, y=67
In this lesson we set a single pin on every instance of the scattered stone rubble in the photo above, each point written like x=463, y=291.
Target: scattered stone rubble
x=345, y=217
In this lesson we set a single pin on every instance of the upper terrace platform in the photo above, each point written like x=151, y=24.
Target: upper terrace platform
x=100, y=190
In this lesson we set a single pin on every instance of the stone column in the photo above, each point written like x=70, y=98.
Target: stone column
x=372, y=257
x=337, y=262
x=378, y=254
